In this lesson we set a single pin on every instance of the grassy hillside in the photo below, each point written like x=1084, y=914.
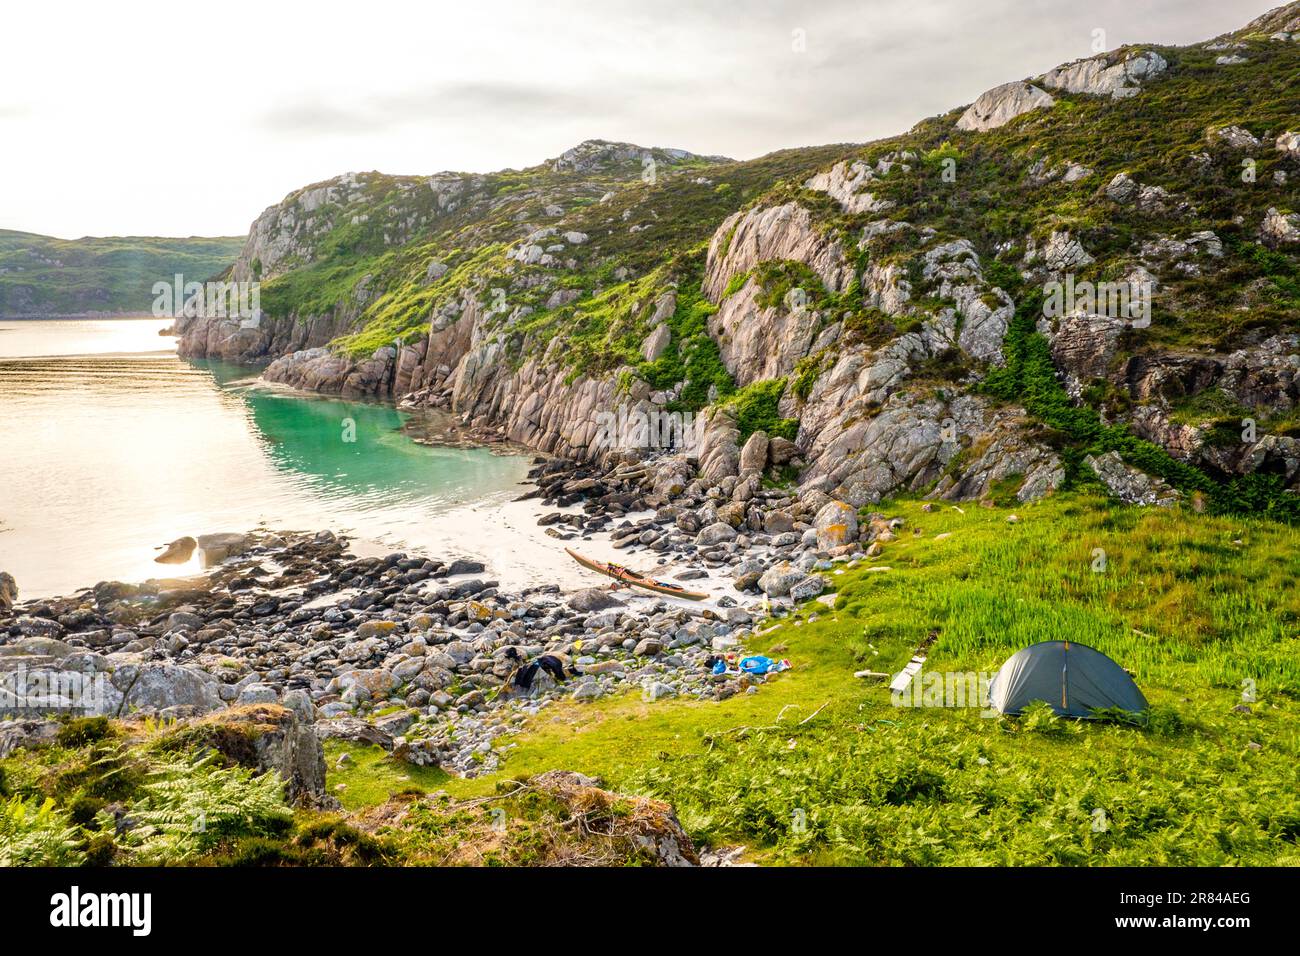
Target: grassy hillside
x=641, y=236
x=40, y=275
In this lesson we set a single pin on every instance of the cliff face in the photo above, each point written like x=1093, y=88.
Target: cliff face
x=983, y=304
x=250, y=342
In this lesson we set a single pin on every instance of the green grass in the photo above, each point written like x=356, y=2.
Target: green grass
x=404, y=311
x=1193, y=605
x=372, y=776
x=756, y=407
x=692, y=356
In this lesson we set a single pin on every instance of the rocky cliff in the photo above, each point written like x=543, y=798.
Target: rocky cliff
x=1098, y=260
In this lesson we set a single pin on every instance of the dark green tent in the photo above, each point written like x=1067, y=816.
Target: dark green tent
x=1073, y=679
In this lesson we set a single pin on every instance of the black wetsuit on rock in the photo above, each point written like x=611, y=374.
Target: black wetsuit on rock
x=522, y=678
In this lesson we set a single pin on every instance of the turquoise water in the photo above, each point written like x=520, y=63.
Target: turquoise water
x=111, y=445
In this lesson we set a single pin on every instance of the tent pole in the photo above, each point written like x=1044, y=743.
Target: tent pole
x=1065, y=677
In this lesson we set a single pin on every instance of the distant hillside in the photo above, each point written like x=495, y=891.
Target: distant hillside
x=41, y=275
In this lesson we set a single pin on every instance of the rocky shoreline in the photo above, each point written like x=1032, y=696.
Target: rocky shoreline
x=411, y=652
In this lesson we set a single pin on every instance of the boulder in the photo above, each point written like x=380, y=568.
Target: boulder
x=1289, y=143
x=647, y=647
x=1123, y=189
x=1280, y=229
x=372, y=629
x=465, y=566
x=361, y=650
x=1128, y=484
x=782, y=451
x=753, y=456
x=37, y=646
x=777, y=580
x=715, y=533
x=1002, y=104
x=593, y=599
x=150, y=688
x=654, y=344
x=397, y=722
x=718, y=453
x=671, y=476
x=1234, y=137
x=1064, y=253
x=836, y=524
x=355, y=730
x=1117, y=74
x=178, y=551
x=478, y=611
x=409, y=668
x=26, y=733
x=778, y=521
x=38, y=627
x=807, y=589
x=109, y=592
x=732, y=513
x=184, y=621
x=257, y=694
x=215, y=548
x=270, y=738
x=299, y=701
x=377, y=682
x=8, y=590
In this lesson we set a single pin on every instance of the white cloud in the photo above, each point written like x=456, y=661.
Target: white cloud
x=180, y=120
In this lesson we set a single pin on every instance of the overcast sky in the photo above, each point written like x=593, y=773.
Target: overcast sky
x=168, y=119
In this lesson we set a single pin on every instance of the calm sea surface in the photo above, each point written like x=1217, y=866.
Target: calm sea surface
x=111, y=445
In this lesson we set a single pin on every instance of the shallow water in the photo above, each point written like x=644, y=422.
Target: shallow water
x=111, y=445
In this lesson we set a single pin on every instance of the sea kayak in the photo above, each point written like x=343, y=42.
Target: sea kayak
x=630, y=578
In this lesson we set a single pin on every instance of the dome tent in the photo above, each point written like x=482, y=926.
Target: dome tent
x=1073, y=679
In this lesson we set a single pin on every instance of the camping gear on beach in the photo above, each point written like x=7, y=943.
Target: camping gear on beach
x=758, y=664
x=522, y=678
x=755, y=665
x=523, y=675
x=1073, y=679
x=626, y=577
